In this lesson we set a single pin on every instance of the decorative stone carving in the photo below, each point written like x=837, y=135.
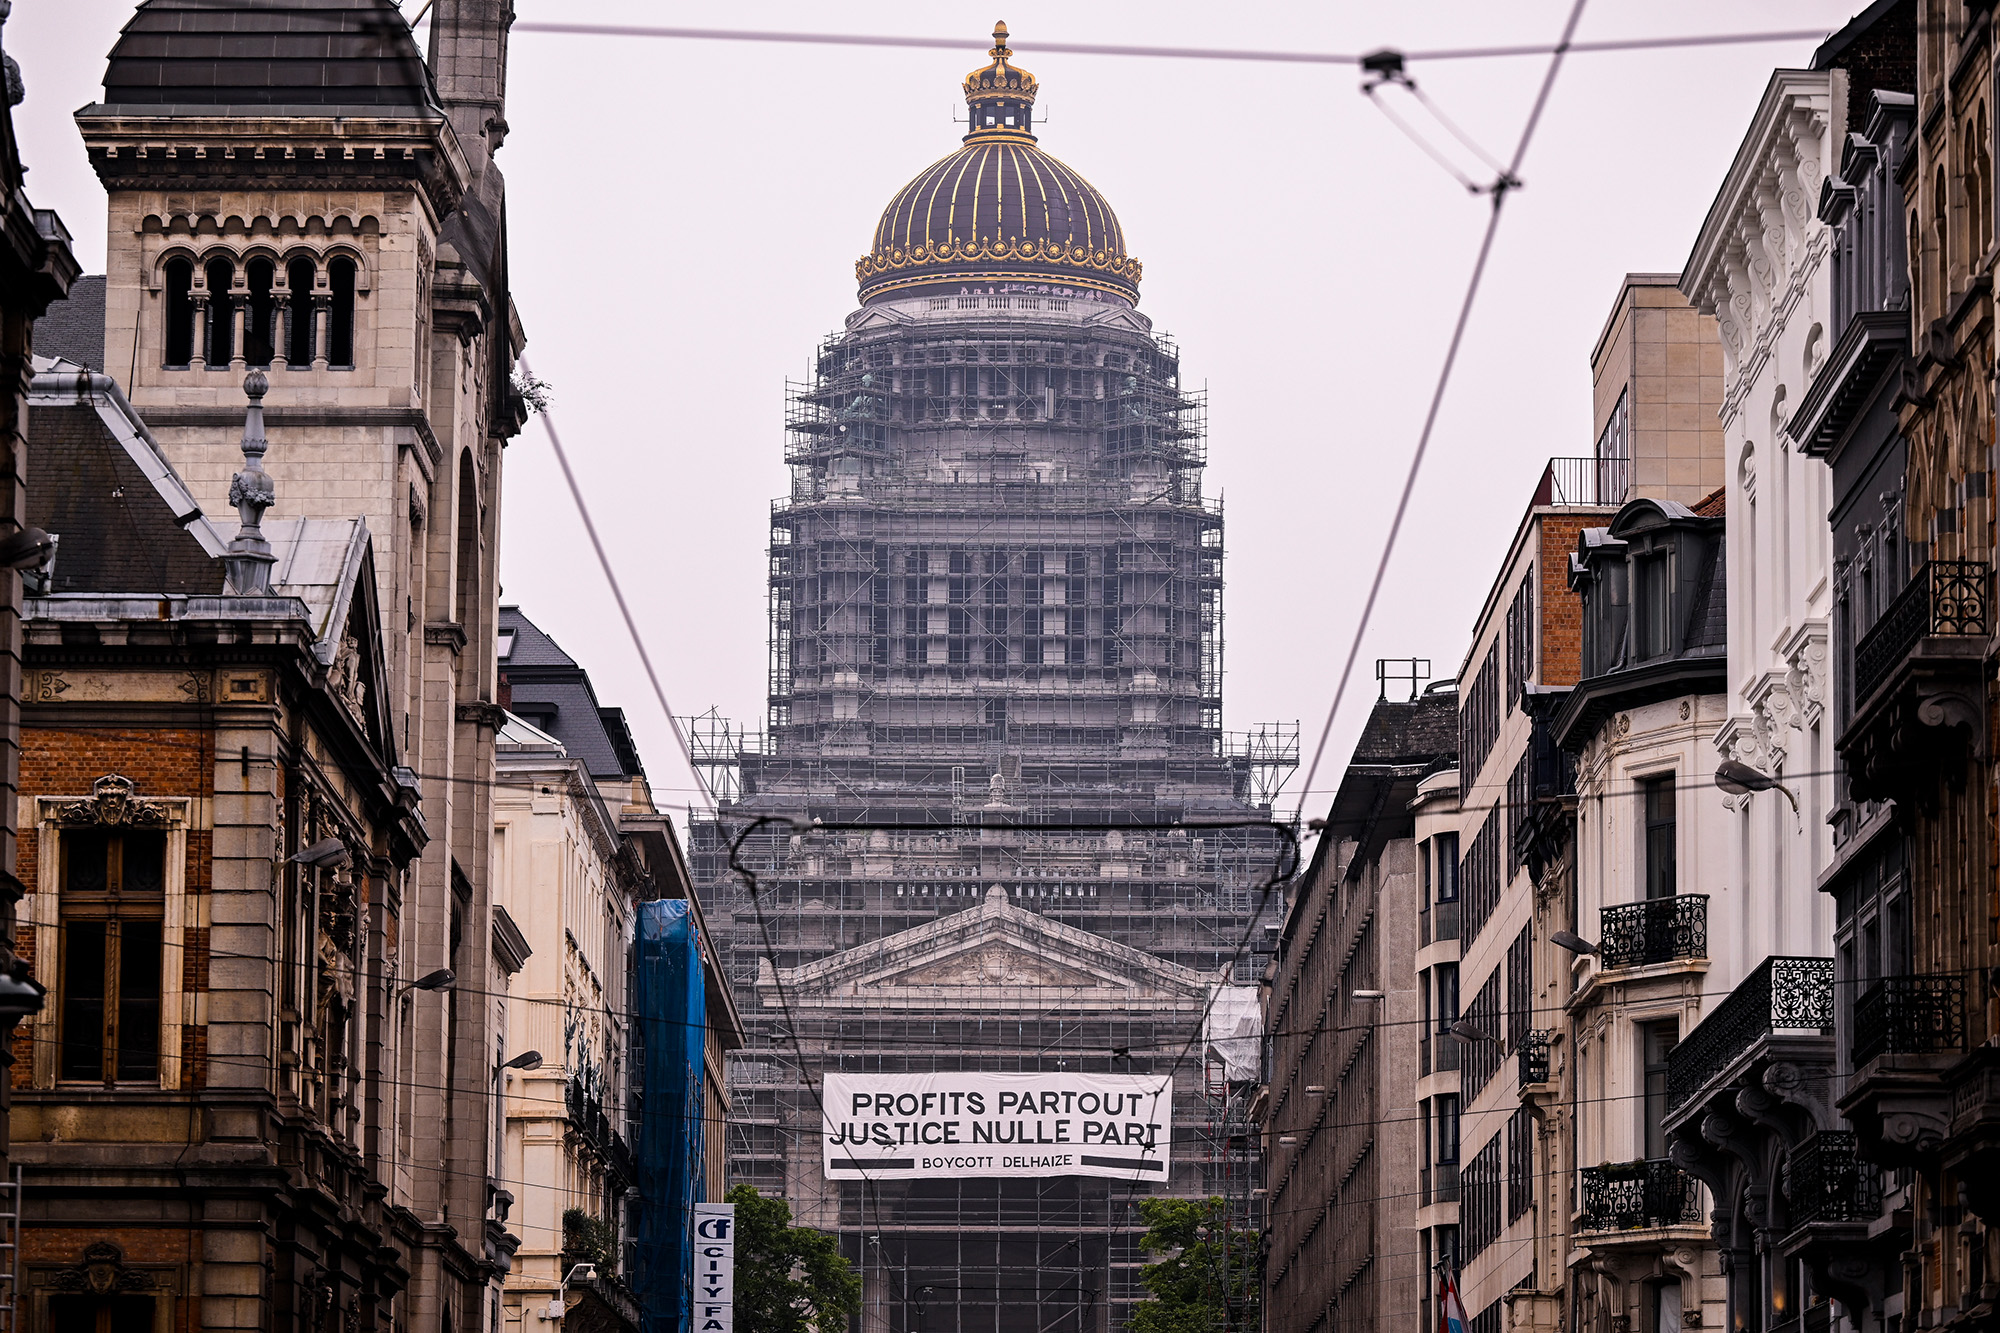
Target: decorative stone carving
x=101, y=1272
x=112, y=802
x=343, y=677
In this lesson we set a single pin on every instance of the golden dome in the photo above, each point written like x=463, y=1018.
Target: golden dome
x=999, y=210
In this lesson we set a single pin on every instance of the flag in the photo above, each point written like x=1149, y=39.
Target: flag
x=1451, y=1313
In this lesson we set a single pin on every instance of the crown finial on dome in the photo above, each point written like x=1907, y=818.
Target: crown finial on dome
x=1001, y=96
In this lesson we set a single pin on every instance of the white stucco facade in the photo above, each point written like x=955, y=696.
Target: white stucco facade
x=1761, y=267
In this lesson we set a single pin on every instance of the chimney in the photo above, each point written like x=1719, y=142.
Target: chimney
x=469, y=64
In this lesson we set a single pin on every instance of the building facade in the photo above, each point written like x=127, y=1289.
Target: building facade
x=1015, y=836
x=1748, y=1105
x=1917, y=897
x=36, y=268
x=1647, y=865
x=579, y=846
x=301, y=194
x=219, y=838
x=1338, y=1114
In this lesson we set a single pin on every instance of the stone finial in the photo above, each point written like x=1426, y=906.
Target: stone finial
x=252, y=491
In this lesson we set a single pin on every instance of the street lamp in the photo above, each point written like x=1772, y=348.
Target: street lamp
x=442, y=979
x=1564, y=939
x=1739, y=779
x=558, y=1307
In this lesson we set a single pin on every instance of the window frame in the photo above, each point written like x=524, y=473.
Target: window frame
x=41, y=912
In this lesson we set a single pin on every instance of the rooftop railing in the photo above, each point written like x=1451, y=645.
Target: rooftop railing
x=1781, y=995
x=1585, y=481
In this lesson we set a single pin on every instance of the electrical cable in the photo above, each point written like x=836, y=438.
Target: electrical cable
x=618, y=593
x=1603, y=46
x=1502, y=185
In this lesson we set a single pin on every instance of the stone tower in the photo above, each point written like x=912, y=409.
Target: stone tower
x=292, y=189
x=995, y=682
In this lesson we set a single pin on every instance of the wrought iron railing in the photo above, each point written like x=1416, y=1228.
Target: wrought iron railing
x=1635, y=1196
x=1585, y=481
x=1534, y=1056
x=1826, y=1180
x=1444, y=1052
x=1909, y=1016
x=1946, y=598
x=1656, y=930
x=1781, y=995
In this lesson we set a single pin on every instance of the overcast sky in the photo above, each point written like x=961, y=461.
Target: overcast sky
x=685, y=218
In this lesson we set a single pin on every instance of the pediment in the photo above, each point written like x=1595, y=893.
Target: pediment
x=996, y=957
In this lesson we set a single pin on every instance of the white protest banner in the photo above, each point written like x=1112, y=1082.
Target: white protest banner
x=921, y=1126
x=714, y=1267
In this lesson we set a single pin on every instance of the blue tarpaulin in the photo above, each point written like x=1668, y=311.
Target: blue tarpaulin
x=672, y=1026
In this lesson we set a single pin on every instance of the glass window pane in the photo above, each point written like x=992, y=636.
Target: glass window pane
x=144, y=863
x=138, y=1032
x=85, y=854
x=83, y=1000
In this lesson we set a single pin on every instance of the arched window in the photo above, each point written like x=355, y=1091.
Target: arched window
x=1979, y=187
x=220, y=345
x=1916, y=247
x=299, y=312
x=180, y=313
x=468, y=540
x=259, y=337
x=1939, y=207
x=340, y=325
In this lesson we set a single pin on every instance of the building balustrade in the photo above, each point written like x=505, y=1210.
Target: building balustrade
x=1947, y=598
x=1638, y=1196
x=1534, y=1057
x=1656, y=930
x=1827, y=1181
x=1781, y=995
x=1909, y=1016
x=1437, y=1184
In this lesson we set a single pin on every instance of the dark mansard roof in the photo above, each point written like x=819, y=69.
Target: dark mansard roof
x=190, y=57
x=548, y=688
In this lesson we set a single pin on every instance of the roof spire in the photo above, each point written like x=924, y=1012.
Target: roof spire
x=1000, y=96
x=249, y=559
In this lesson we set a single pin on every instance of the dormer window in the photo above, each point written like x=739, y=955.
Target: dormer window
x=1651, y=612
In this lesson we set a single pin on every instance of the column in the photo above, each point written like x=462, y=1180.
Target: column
x=201, y=331
x=320, y=327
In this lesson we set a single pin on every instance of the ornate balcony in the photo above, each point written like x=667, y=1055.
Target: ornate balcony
x=1793, y=995
x=1916, y=673
x=1906, y=1036
x=1826, y=1181
x=1909, y=1016
x=1947, y=599
x=1534, y=1057
x=1638, y=1196
x=1657, y=930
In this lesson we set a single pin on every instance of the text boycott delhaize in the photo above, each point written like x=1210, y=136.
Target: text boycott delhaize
x=914, y=1126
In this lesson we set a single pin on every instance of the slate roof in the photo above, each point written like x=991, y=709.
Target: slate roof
x=553, y=694
x=300, y=57
x=73, y=329
x=118, y=534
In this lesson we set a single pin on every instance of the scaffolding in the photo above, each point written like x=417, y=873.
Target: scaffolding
x=995, y=614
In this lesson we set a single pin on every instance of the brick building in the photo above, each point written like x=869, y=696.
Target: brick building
x=218, y=851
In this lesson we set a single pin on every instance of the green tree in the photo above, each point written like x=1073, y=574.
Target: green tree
x=788, y=1279
x=1205, y=1279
